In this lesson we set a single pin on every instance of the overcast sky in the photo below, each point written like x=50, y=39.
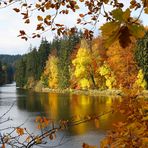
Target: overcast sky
x=11, y=23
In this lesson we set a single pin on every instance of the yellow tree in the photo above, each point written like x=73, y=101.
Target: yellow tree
x=105, y=71
x=87, y=63
x=140, y=82
x=82, y=64
x=51, y=71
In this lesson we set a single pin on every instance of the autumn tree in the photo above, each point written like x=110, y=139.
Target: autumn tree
x=123, y=64
x=51, y=71
x=119, y=30
x=86, y=63
x=140, y=81
x=106, y=72
x=82, y=63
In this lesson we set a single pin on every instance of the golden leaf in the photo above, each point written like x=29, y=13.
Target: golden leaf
x=20, y=131
x=39, y=18
x=146, y=10
x=38, y=140
x=37, y=5
x=48, y=5
x=48, y=17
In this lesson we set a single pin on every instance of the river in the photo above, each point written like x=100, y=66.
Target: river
x=28, y=105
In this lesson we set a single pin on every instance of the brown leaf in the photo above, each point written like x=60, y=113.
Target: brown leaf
x=38, y=35
x=25, y=38
x=24, y=5
x=27, y=21
x=34, y=36
x=22, y=32
x=20, y=131
x=48, y=17
x=39, y=18
x=51, y=136
x=59, y=25
x=16, y=10
x=48, y=5
x=81, y=15
x=37, y=5
x=78, y=21
x=124, y=37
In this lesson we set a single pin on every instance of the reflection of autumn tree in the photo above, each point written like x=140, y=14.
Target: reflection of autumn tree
x=80, y=106
x=50, y=104
x=85, y=107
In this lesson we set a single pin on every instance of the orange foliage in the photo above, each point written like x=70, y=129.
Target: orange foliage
x=133, y=132
x=122, y=62
x=20, y=131
x=42, y=122
x=98, y=42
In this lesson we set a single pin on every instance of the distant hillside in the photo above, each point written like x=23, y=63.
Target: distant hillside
x=7, y=68
x=9, y=59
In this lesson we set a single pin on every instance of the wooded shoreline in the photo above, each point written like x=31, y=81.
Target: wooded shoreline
x=91, y=92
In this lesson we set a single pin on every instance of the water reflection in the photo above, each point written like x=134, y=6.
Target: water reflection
x=59, y=106
x=70, y=106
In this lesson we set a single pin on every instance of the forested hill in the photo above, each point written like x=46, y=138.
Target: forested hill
x=7, y=68
x=9, y=59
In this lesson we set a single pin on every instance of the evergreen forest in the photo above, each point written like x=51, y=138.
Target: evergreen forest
x=7, y=68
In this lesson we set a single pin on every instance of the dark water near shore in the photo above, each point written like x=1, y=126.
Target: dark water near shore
x=29, y=104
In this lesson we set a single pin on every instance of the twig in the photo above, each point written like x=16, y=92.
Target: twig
x=7, y=110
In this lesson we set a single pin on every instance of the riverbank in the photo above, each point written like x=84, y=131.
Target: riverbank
x=107, y=92
x=84, y=92
x=38, y=87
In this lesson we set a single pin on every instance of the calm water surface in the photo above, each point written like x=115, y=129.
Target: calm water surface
x=29, y=104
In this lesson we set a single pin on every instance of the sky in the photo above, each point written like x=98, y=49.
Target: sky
x=11, y=23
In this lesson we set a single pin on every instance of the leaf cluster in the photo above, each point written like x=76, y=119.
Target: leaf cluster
x=120, y=24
